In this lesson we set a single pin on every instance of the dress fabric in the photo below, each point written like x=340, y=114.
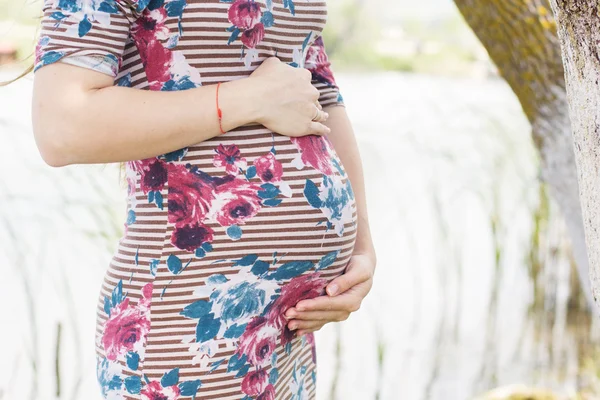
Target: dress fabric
x=220, y=238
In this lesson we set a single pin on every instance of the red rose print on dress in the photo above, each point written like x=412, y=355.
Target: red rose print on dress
x=268, y=394
x=299, y=288
x=148, y=31
x=127, y=326
x=165, y=69
x=230, y=158
x=190, y=196
x=154, y=391
x=251, y=37
x=314, y=151
x=255, y=382
x=318, y=63
x=235, y=202
x=153, y=173
x=190, y=237
x=268, y=168
x=244, y=14
x=258, y=341
x=154, y=176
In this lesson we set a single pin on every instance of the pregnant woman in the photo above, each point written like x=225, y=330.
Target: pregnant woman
x=243, y=234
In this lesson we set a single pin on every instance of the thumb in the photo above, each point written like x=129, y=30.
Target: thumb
x=343, y=282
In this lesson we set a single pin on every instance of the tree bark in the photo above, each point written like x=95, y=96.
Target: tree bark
x=520, y=37
x=579, y=33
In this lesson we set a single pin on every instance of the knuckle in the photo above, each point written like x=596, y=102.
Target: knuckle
x=307, y=73
x=315, y=93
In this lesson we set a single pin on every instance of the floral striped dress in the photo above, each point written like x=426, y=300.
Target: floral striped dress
x=222, y=237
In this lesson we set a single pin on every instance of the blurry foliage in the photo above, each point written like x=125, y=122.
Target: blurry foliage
x=19, y=21
x=357, y=38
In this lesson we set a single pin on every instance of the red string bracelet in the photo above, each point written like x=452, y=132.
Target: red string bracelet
x=219, y=112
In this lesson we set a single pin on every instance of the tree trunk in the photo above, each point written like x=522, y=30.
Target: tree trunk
x=579, y=33
x=520, y=37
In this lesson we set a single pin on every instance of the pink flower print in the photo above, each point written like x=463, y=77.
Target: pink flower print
x=251, y=37
x=189, y=196
x=154, y=391
x=236, y=201
x=268, y=168
x=148, y=31
x=128, y=326
x=244, y=14
x=315, y=151
x=158, y=69
x=299, y=288
x=139, y=166
x=190, y=237
x=318, y=63
x=258, y=341
x=255, y=382
x=230, y=158
x=154, y=176
x=268, y=394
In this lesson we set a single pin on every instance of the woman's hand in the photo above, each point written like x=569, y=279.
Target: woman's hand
x=344, y=296
x=286, y=99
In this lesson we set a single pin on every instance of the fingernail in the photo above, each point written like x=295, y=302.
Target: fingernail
x=290, y=314
x=326, y=115
x=333, y=289
x=292, y=326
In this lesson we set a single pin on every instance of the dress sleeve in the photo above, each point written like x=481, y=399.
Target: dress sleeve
x=318, y=64
x=95, y=31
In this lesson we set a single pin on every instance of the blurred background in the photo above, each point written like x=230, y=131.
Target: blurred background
x=476, y=293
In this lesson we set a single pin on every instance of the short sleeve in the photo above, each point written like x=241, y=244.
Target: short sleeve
x=95, y=31
x=318, y=64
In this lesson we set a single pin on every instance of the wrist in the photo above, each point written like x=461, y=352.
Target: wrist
x=239, y=103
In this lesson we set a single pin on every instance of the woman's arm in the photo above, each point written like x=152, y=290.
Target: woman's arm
x=344, y=141
x=80, y=117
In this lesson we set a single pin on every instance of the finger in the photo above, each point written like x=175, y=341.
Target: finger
x=297, y=324
x=317, y=128
x=326, y=303
x=350, y=278
x=321, y=116
x=306, y=74
x=319, y=105
x=317, y=315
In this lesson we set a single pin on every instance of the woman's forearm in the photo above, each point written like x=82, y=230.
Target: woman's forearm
x=343, y=139
x=102, y=123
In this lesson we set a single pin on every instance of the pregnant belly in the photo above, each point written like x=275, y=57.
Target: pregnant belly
x=253, y=193
x=223, y=237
